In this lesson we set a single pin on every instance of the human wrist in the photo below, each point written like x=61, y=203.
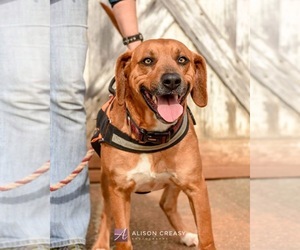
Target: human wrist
x=133, y=45
x=132, y=39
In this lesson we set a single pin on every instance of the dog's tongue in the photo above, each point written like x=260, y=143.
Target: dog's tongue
x=169, y=108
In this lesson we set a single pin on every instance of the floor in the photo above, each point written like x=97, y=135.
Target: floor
x=229, y=200
x=275, y=214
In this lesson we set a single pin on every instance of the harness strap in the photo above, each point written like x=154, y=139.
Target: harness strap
x=108, y=133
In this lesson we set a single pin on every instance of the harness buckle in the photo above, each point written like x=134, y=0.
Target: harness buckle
x=154, y=137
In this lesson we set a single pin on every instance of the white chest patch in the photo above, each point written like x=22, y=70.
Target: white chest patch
x=145, y=179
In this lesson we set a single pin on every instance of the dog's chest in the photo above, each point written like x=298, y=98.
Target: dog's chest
x=145, y=178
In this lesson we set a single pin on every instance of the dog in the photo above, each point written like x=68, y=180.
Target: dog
x=148, y=141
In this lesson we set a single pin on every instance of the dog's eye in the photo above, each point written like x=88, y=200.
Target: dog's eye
x=148, y=61
x=182, y=60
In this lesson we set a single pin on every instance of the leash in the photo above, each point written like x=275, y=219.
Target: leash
x=73, y=175
x=43, y=169
x=46, y=166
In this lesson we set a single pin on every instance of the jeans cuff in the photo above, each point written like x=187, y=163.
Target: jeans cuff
x=34, y=244
x=65, y=243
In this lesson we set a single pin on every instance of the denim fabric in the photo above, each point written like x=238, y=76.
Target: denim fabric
x=42, y=54
x=24, y=121
x=70, y=206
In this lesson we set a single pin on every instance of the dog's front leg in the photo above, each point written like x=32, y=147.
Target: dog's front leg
x=199, y=202
x=168, y=203
x=120, y=208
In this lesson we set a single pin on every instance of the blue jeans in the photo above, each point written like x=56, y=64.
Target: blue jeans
x=42, y=55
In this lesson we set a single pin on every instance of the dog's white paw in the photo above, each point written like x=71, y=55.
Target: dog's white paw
x=189, y=239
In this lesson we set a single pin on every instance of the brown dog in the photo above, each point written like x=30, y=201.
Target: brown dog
x=148, y=141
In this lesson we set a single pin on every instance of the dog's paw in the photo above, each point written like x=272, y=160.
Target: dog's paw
x=189, y=239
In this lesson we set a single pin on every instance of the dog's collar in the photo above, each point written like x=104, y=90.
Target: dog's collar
x=147, y=142
x=155, y=137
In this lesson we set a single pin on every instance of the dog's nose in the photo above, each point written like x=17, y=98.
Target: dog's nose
x=171, y=80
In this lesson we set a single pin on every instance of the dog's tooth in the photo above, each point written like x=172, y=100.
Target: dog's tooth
x=154, y=99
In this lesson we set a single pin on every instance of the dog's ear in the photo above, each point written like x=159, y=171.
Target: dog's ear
x=199, y=92
x=122, y=76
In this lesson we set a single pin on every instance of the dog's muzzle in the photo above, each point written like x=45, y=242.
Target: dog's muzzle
x=167, y=100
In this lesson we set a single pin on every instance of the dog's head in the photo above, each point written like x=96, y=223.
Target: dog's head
x=158, y=76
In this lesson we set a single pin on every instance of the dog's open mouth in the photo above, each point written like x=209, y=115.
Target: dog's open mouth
x=166, y=107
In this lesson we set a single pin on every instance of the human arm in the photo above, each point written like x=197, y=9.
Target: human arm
x=125, y=14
